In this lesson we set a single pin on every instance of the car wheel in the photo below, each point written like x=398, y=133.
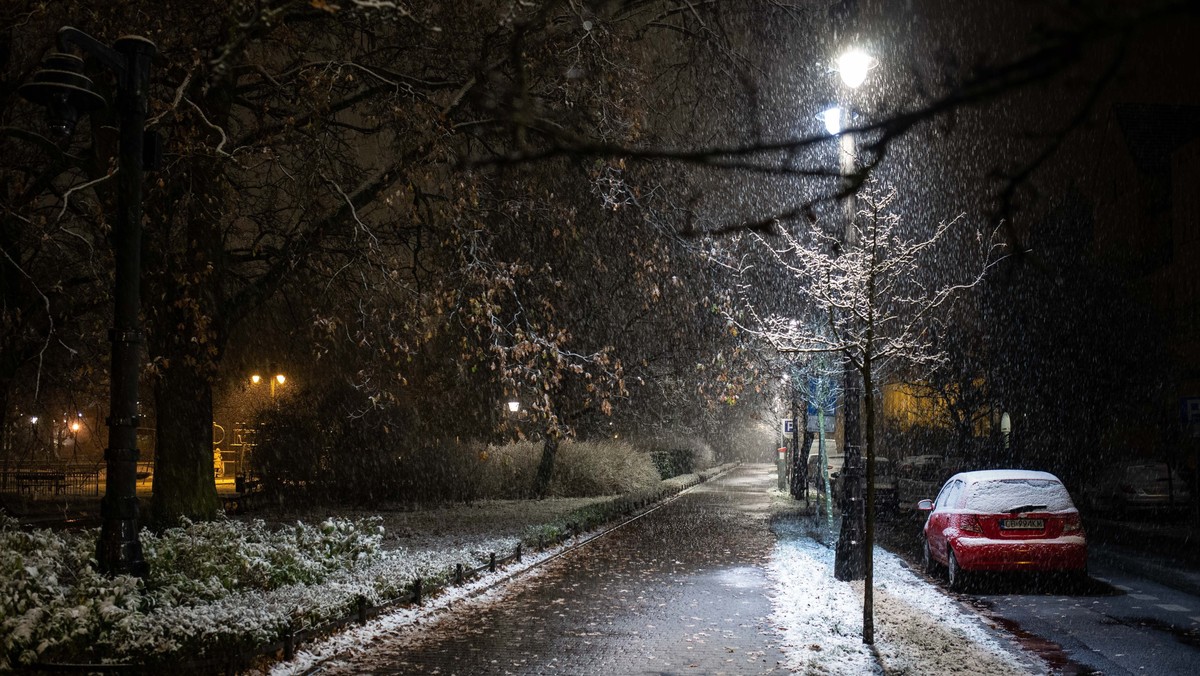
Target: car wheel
x=928, y=563
x=958, y=577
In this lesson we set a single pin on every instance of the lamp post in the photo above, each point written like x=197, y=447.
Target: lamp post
x=61, y=86
x=850, y=554
x=66, y=92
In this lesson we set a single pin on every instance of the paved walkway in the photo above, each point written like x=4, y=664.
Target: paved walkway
x=679, y=591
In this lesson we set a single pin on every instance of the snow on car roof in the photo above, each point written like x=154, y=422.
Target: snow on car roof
x=1002, y=475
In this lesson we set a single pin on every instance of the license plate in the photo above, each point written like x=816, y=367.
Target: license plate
x=1023, y=524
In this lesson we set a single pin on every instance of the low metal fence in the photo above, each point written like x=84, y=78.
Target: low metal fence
x=51, y=481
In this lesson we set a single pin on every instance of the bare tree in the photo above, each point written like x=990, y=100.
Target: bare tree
x=872, y=300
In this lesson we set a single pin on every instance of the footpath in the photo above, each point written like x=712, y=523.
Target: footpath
x=681, y=590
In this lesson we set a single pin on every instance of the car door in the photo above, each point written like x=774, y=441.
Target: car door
x=938, y=519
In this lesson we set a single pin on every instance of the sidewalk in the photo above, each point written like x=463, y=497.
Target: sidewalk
x=682, y=589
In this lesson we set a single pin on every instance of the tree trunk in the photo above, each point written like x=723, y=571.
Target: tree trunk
x=546, y=468
x=5, y=433
x=848, y=553
x=869, y=540
x=184, y=485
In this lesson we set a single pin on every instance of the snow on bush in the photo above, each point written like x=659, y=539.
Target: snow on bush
x=213, y=587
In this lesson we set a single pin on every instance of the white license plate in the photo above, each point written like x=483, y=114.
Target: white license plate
x=1023, y=524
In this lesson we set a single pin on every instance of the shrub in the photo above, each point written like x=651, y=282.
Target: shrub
x=209, y=588
x=673, y=462
x=604, y=467
x=581, y=469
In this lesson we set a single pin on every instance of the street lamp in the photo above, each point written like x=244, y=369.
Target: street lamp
x=850, y=560
x=276, y=378
x=853, y=66
x=67, y=93
x=514, y=406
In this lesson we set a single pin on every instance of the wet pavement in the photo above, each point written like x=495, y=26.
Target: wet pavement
x=679, y=590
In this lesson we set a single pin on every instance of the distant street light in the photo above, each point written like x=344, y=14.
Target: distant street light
x=66, y=92
x=276, y=378
x=1006, y=433
x=514, y=406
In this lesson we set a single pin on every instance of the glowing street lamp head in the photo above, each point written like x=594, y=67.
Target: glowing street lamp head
x=853, y=66
x=256, y=379
x=280, y=378
x=832, y=117
x=514, y=406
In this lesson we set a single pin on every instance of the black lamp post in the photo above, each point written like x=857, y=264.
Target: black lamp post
x=67, y=93
x=851, y=554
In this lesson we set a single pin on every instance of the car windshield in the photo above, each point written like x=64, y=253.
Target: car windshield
x=1024, y=495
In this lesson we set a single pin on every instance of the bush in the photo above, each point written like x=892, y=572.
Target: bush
x=209, y=589
x=673, y=462
x=335, y=446
x=581, y=469
x=605, y=467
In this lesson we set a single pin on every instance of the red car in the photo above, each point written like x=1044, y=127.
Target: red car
x=1003, y=520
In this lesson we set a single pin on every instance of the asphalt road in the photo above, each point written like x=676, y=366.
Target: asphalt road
x=1121, y=622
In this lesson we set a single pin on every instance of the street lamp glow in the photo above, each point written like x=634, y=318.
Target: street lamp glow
x=853, y=66
x=832, y=117
x=280, y=378
x=33, y=420
x=256, y=379
x=514, y=406
x=74, y=427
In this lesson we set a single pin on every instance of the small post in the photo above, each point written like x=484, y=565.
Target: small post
x=289, y=642
x=492, y=562
x=518, y=551
x=458, y=573
x=417, y=591
x=362, y=610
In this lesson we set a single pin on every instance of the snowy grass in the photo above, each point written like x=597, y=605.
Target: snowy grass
x=918, y=629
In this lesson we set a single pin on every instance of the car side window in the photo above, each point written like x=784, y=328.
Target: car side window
x=955, y=494
x=949, y=495
x=943, y=496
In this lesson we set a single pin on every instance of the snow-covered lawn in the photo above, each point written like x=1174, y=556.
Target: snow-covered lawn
x=918, y=629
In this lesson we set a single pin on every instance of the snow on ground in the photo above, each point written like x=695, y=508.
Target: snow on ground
x=918, y=629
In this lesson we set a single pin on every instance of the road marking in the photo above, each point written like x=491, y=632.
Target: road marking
x=1143, y=597
x=1174, y=608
